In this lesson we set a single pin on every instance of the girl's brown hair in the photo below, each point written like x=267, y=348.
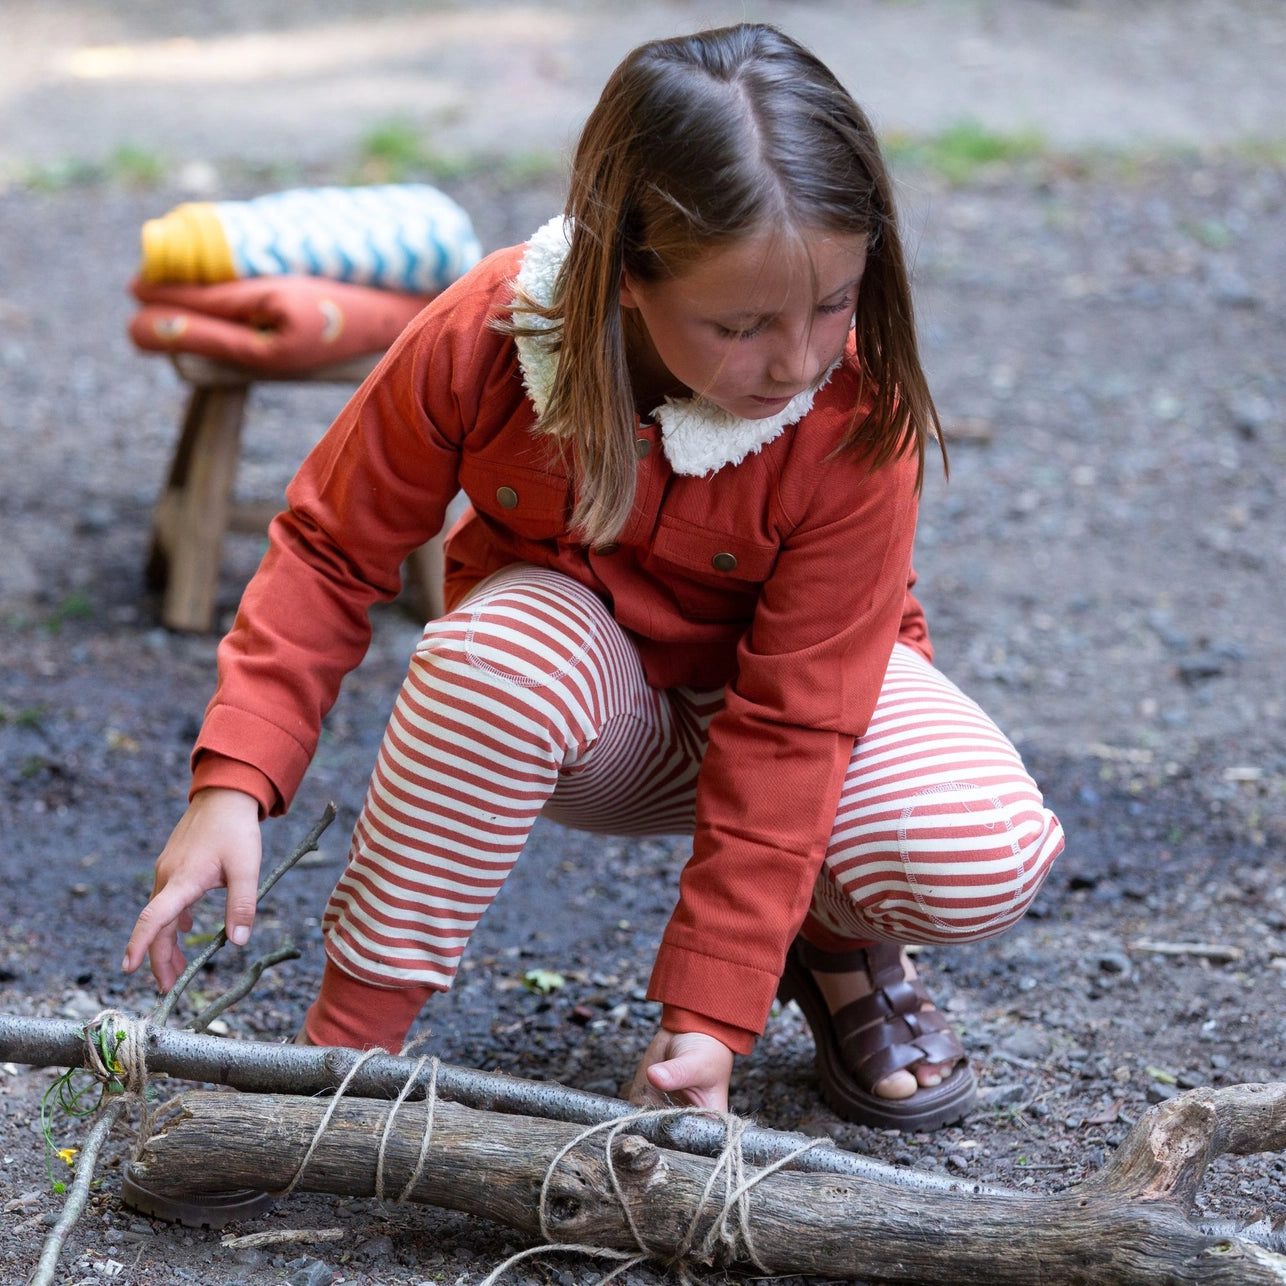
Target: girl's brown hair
x=695, y=141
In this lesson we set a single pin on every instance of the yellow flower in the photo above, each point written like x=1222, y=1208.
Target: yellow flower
x=66, y=1154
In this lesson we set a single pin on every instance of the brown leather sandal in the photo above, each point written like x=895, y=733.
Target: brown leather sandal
x=877, y=1035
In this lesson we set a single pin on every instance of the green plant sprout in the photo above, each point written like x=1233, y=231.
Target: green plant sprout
x=67, y=1096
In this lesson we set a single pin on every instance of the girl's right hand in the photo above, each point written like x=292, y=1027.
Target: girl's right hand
x=215, y=845
x=682, y=1068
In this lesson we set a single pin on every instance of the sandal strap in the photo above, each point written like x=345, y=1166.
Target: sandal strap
x=890, y=1029
x=897, y=1000
x=876, y=1052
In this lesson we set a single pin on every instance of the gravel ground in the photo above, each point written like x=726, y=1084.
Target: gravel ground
x=1102, y=572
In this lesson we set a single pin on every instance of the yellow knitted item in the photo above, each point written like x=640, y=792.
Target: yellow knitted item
x=187, y=245
x=407, y=237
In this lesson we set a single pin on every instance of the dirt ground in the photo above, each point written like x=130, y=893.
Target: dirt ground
x=1102, y=572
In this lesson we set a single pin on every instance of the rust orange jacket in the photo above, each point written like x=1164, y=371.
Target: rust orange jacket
x=785, y=578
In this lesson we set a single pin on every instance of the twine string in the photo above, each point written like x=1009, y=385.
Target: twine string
x=729, y=1227
x=328, y=1115
x=125, y=1066
x=430, y=1106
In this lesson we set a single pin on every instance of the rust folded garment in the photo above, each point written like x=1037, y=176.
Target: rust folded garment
x=275, y=325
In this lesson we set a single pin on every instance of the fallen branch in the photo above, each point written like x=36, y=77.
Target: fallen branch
x=259, y=1067
x=614, y=1191
x=244, y=984
x=1215, y=952
x=282, y=1237
x=74, y=1206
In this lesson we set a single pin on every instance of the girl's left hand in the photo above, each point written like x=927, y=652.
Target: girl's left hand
x=682, y=1068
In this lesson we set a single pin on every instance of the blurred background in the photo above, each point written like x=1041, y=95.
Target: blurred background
x=282, y=85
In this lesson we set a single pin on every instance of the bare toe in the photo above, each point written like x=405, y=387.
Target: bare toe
x=899, y=1084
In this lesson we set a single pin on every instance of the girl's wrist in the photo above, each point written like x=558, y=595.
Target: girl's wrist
x=677, y=1020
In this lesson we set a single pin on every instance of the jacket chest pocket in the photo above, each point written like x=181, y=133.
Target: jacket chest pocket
x=713, y=575
x=532, y=503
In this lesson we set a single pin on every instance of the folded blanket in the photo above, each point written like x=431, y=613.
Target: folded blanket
x=402, y=236
x=274, y=325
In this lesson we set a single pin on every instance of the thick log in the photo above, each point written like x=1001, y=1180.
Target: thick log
x=1125, y=1226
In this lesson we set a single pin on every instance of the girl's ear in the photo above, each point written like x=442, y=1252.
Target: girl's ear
x=629, y=294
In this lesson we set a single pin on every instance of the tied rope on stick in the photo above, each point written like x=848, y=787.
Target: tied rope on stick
x=729, y=1228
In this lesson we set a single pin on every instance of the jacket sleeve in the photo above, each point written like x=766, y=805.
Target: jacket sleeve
x=374, y=488
x=808, y=676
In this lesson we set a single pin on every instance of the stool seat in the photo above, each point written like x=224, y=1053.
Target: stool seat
x=196, y=507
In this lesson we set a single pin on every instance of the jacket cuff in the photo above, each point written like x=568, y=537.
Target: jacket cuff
x=215, y=770
x=252, y=739
x=737, y=995
x=358, y=1015
x=737, y=1039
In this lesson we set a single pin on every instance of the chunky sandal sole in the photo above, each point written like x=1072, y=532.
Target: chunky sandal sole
x=929, y=1108
x=211, y=1210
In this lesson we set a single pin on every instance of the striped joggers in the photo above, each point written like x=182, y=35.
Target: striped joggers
x=529, y=698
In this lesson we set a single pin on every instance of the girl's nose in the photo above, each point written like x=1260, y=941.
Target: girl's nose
x=792, y=362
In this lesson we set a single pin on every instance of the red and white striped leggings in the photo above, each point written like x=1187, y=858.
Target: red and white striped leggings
x=530, y=698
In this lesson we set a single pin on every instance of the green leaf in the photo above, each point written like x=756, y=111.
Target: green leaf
x=1160, y=1074
x=543, y=982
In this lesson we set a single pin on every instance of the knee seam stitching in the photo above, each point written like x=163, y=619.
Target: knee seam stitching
x=519, y=680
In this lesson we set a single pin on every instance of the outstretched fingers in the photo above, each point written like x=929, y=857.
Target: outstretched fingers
x=216, y=844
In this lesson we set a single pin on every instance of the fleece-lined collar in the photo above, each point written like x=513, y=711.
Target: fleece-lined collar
x=698, y=437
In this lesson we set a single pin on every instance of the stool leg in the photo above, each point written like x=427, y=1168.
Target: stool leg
x=192, y=513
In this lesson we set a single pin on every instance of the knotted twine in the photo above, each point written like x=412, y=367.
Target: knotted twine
x=125, y=1069
x=728, y=1231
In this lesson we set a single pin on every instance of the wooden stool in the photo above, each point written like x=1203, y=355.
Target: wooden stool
x=196, y=507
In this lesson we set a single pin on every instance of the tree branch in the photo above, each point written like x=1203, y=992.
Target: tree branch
x=160, y=1015
x=74, y=1206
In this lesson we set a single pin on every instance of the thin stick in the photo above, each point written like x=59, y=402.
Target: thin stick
x=161, y=1014
x=244, y=984
x=283, y=1236
x=74, y=1206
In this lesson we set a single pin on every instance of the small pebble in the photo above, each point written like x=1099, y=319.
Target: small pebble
x=379, y=1248
x=1002, y=1095
x=310, y=1272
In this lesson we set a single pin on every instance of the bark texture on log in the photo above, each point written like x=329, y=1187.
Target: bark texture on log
x=1124, y=1226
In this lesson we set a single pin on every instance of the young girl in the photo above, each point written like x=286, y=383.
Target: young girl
x=691, y=421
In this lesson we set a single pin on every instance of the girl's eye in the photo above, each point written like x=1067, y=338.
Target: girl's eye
x=744, y=332
x=749, y=332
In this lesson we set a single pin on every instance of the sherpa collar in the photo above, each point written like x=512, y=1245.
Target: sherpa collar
x=698, y=437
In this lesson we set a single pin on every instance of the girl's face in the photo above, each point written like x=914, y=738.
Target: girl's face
x=750, y=325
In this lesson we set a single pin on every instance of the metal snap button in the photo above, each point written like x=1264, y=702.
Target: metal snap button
x=641, y=447
x=506, y=498
x=610, y=548
x=724, y=562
